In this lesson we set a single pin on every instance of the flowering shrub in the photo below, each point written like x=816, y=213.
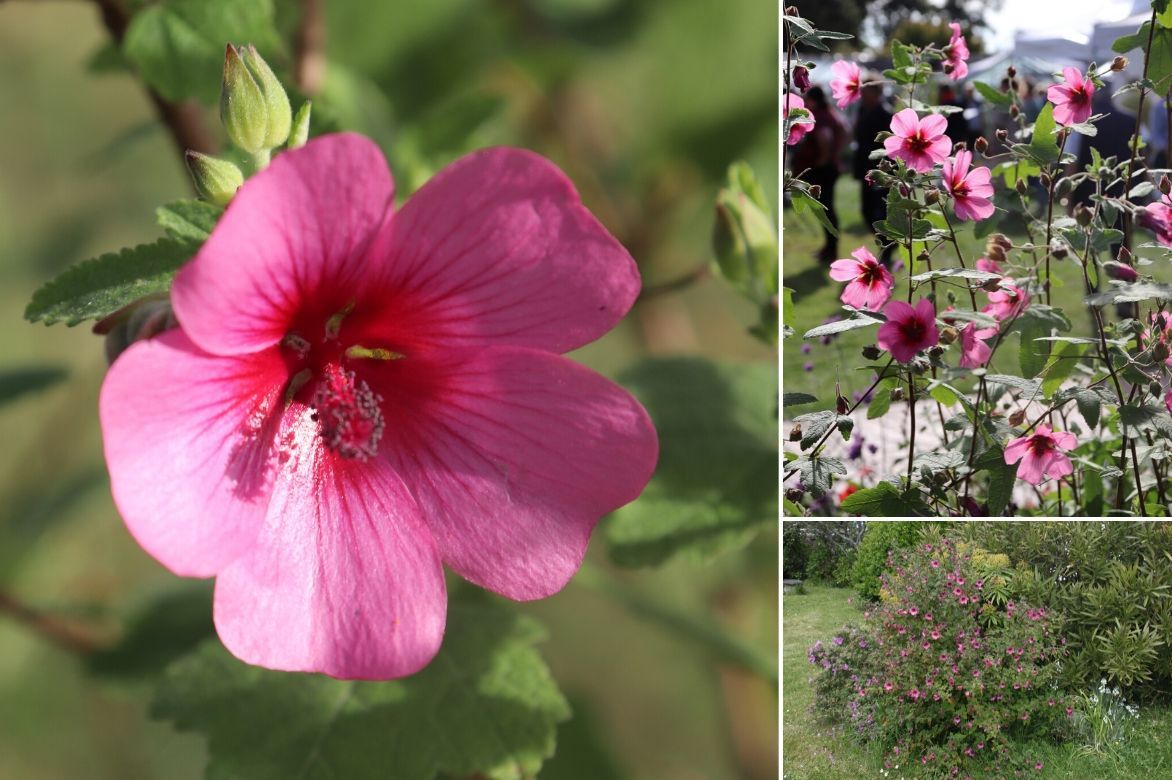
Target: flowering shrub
x=941, y=675
x=1080, y=423
x=1101, y=719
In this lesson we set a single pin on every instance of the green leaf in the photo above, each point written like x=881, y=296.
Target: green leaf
x=17, y=382
x=1160, y=62
x=1089, y=406
x=880, y=403
x=1124, y=293
x=797, y=399
x=486, y=705
x=1060, y=365
x=188, y=220
x=885, y=500
x=956, y=273
x=1033, y=355
x=716, y=483
x=95, y=288
x=163, y=629
x=1001, y=478
x=858, y=320
x=1028, y=386
x=803, y=202
x=992, y=95
x=817, y=473
x=177, y=46
x=1043, y=147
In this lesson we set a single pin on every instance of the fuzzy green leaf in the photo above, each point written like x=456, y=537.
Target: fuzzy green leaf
x=486, y=706
x=885, y=500
x=17, y=382
x=716, y=483
x=188, y=220
x=95, y=288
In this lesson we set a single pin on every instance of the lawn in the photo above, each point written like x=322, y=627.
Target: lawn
x=816, y=298
x=815, y=751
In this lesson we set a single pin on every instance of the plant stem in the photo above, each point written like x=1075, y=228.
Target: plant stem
x=1054, y=175
x=60, y=632
x=309, y=43
x=720, y=644
x=1139, y=112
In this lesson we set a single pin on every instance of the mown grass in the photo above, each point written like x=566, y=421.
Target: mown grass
x=812, y=750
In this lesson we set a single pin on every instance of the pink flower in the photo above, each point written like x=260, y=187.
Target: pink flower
x=356, y=397
x=956, y=54
x=1168, y=398
x=921, y=143
x=870, y=284
x=1008, y=302
x=974, y=352
x=1072, y=100
x=970, y=189
x=1157, y=217
x=908, y=330
x=1042, y=455
x=844, y=87
x=797, y=129
x=989, y=266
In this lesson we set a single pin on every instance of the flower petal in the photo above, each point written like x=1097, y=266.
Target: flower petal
x=933, y=125
x=844, y=270
x=905, y=122
x=1016, y=449
x=344, y=578
x=513, y=455
x=497, y=248
x=295, y=233
x=188, y=439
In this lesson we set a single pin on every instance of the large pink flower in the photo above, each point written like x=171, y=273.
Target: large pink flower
x=1157, y=217
x=1042, y=455
x=974, y=352
x=956, y=54
x=908, y=330
x=797, y=130
x=845, y=85
x=921, y=143
x=356, y=397
x=869, y=283
x=1008, y=302
x=970, y=189
x=1072, y=100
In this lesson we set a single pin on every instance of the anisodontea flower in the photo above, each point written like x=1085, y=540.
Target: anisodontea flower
x=1042, y=456
x=974, y=351
x=1008, y=302
x=1072, y=100
x=869, y=284
x=844, y=87
x=356, y=397
x=921, y=143
x=797, y=130
x=1157, y=217
x=956, y=54
x=970, y=188
x=908, y=329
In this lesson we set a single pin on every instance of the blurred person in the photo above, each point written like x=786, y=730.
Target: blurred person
x=816, y=161
x=958, y=126
x=874, y=117
x=1156, y=132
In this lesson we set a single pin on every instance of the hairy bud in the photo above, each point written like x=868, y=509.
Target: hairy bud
x=948, y=334
x=1119, y=63
x=871, y=352
x=1155, y=389
x=253, y=105
x=1017, y=418
x=981, y=144
x=216, y=181
x=1160, y=351
x=1063, y=188
x=795, y=433
x=1045, y=179
x=1020, y=187
x=1014, y=111
x=1012, y=71
x=794, y=494
x=841, y=404
x=1120, y=271
x=991, y=285
x=1083, y=215
x=931, y=196
x=897, y=394
x=815, y=191
x=1165, y=185
x=801, y=78
x=1001, y=134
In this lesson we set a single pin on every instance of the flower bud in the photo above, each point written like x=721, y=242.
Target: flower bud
x=792, y=10
x=299, y=132
x=1045, y=179
x=1013, y=84
x=897, y=394
x=1014, y=111
x=1012, y=71
x=931, y=196
x=981, y=144
x=216, y=181
x=991, y=285
x=1058, y=250
x=1064, y=187
x=794, y=494
x=948, y=334
x=1124, y=273
x=1004, y=85
x=904, y=190
x=871, y=352
x=1020, y=186
x=841, y=404
x=1165, y=185
x=960, y=146
x=1001, y=134
x=1000, y=240
x=1160, y=351
x=801, y=78
x=935, y=352
x=1017, y=418
x=253, y=105
x=795, y=433
x=1124, y=255
x=923, y=256
x=815, y=191
x=1155, y=389
x=137, y=321
x=744, y=240
x=1119, y=63
x=1083, y=215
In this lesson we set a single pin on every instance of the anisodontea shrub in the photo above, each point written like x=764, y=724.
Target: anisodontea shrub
x=943, y=675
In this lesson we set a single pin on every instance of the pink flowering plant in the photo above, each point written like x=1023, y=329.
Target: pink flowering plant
x=1021, y=346
x=946, y=674
x=340, y=389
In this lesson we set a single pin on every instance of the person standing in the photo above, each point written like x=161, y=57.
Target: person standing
x=816, y=161
x=874, y=117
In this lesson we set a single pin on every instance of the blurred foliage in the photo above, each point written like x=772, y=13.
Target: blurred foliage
x=643, y=104
x=879, y=541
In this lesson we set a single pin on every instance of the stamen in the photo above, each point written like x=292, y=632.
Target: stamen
x=296, y=343
x=358, y=352
x=349, y=414
x=296, y=382
x=334, y=324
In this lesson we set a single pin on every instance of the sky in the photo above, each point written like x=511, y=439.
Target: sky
x=1056, y=16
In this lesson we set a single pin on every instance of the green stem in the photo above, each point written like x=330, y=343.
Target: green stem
x=721, y=645
x=261, y=160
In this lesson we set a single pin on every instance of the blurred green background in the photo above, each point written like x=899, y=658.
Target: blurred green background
x=643, y=103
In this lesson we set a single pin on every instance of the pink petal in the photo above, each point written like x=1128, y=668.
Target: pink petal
x=844, y=270
x=291, y=237
x=877, y=295
x=890, y=339
x=514, y=455
x=972, y=208
x=980, y=178
x=1059, y=466
x=894, y=146
x=497, y=248
x=187, y=438
x=344, y=578
x=1031, y=469
x=899, y=311
x=1073, y=77
x=905, y=123
x=1065, y=439
x=856, y=294
x=933, y=125
x=1016, y=449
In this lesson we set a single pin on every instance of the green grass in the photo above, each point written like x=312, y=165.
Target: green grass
x=816, y=297
x=815, y=751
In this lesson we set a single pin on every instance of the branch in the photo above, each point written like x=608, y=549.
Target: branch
x=687, y=280
x=54, y=629
x=309, y=43
x=183, y=120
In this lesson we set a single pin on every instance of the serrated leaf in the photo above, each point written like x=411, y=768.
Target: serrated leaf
x=161, y=630
x=1002, y=476
x=95, y=288
x=956, y=273
x=486, y=705
x=815, y=425
x=797, y=399
x=992, y=95
x=1089, y=405
x=803, y=202
x=716, y=482
x=880, y=403
x=1028, y=386
x=1130, y=293
x=884, y=500
x=1043, y=147
x=188, y=220
x=177, y=46
x=1159, y=66
x=1033, y=354
x=17, y=382
x=817, y=473
x=859, y=320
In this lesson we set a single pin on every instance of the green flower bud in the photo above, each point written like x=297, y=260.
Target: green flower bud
x=300, y=132
x=253, y=105
x=744, y=239
x=215, y=180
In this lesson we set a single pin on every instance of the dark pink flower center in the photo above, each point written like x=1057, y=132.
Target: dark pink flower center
x=912, y=331
x=960, y=189
x=870, y=274
x=917, y=143
x=1079, y=97
x=323, y=376
x=1040, y=445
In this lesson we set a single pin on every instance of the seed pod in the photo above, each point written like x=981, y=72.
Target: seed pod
x=991, y=285
x=948, y=334
x=981, y=144
x=1083, y=215
x=1160, y=351
x=1001, y=134
x=1058, y=249
x=841, y=404
x=1001, y=240
x=1155, y=389
x=1119, y=63
x=931, y=196
x=795, y=433
x=871, y=352
x=897, y=394
x=1020, y=187
x=1012, y=71
x=1017, y=418
x=1064, y=187
x=795, y=494
x=815, y=191
x=1165, y=185
x=1014, y=111
x=1046, y=180
x=960, y=146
